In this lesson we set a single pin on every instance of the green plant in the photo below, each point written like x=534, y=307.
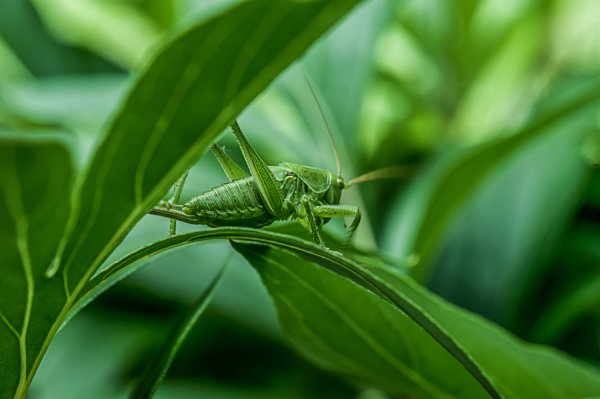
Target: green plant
x=360, y=315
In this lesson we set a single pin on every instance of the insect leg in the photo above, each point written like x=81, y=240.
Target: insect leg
x=268, y=186
x=330, y=211
x=175, y=200
x=175, y=214
x=310, y=217
x=230, y=167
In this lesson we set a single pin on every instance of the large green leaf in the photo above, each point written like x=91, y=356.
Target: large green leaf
x=189, y=92
x=381, y=328
x=345, y=328
x=35, y=181
x=354, y=332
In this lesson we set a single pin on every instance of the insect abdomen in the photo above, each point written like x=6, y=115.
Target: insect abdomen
x=237, y=203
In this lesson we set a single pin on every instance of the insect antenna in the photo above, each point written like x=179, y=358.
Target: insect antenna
x=335, y=152
x=391, y=172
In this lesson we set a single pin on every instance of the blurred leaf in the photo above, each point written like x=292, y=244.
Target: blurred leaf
x=574, y=39
x=35, y=181
x=80, y=103
x=161, y=11
x=496, y=251
x=116, y=30
x=158, y=367
x=90, y=356
x=571, y=290
x=41, y=53
x=465, y=174
x=187, y=95
x=579, y=298
x=505, y=84
x=10, y=66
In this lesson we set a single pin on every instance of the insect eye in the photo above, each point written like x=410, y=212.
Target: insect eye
x=340, y=183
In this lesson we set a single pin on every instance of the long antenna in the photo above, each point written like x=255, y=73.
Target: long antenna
x=335, y=153
x=391, y=172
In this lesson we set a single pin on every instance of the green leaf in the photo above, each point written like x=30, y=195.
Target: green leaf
x=196, y=85
x=343, y=327
x=466, y=174
x=158, y=367
x=326, y=258
x=380, y=327
x=35, y=181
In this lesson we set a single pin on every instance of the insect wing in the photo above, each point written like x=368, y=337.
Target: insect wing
x=318, y=180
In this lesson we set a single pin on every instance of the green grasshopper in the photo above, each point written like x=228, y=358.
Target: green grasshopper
x=270, y=193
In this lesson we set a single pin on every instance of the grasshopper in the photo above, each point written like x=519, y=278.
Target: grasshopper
x=269, y=193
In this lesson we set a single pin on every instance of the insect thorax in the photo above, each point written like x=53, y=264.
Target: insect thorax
x=319, y=184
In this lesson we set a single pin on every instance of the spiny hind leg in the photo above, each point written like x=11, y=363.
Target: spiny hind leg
x=174, y=213
x=331, y=211
x=268, y=186
x=174, y=201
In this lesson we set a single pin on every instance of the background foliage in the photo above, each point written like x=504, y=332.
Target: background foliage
x=492, y=106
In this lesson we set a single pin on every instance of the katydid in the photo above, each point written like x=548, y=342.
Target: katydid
x=268, y=194
x=286, y=191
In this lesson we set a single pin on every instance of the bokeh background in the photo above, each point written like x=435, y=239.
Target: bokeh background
x=430, y=85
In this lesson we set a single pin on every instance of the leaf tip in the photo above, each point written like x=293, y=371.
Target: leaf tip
x=53, y=268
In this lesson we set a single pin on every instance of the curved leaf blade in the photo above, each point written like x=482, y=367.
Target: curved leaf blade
x=508, y=364
x=312, y=253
